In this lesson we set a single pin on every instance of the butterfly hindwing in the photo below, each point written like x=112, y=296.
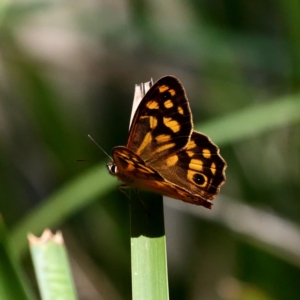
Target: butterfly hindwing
x=198, y=168
x=206, y=168
x=162, y=123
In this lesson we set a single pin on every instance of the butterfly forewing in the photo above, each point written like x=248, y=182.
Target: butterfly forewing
x=131, y=167
x=162, y=123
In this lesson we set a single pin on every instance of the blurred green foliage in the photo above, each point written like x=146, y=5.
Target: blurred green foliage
x=68, y=69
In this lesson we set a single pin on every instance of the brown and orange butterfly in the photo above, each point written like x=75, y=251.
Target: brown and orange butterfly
x=164, y=154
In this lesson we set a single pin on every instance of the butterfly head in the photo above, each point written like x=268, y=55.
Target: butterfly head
x=112, y=168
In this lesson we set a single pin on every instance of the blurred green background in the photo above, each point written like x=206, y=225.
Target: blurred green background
x=68, y=69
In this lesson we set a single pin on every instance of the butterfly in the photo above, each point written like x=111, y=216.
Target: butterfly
x=164, y=154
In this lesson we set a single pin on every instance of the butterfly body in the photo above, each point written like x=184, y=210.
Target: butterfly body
x=164, y=154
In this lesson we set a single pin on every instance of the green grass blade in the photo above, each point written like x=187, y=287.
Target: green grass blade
x=51, y=266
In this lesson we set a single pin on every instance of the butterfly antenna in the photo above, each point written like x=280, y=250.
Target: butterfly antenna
x=100, y=147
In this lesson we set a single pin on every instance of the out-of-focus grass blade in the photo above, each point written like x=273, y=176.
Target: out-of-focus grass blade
x=95, y=183
x=12, y=282
x=66, y=201
x=51, y=266
x=2, y=10
x=253, y=121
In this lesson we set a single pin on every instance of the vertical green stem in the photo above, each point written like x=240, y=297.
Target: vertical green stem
x=148, y=249
x=148, y=243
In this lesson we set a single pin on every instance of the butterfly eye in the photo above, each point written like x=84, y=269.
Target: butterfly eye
x=198, y=178
x=112, y=168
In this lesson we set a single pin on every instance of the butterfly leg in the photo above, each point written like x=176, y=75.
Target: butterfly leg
x=122, y=188
x=143, y=203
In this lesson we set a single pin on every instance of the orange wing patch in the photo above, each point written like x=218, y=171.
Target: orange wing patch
x=172, y=124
